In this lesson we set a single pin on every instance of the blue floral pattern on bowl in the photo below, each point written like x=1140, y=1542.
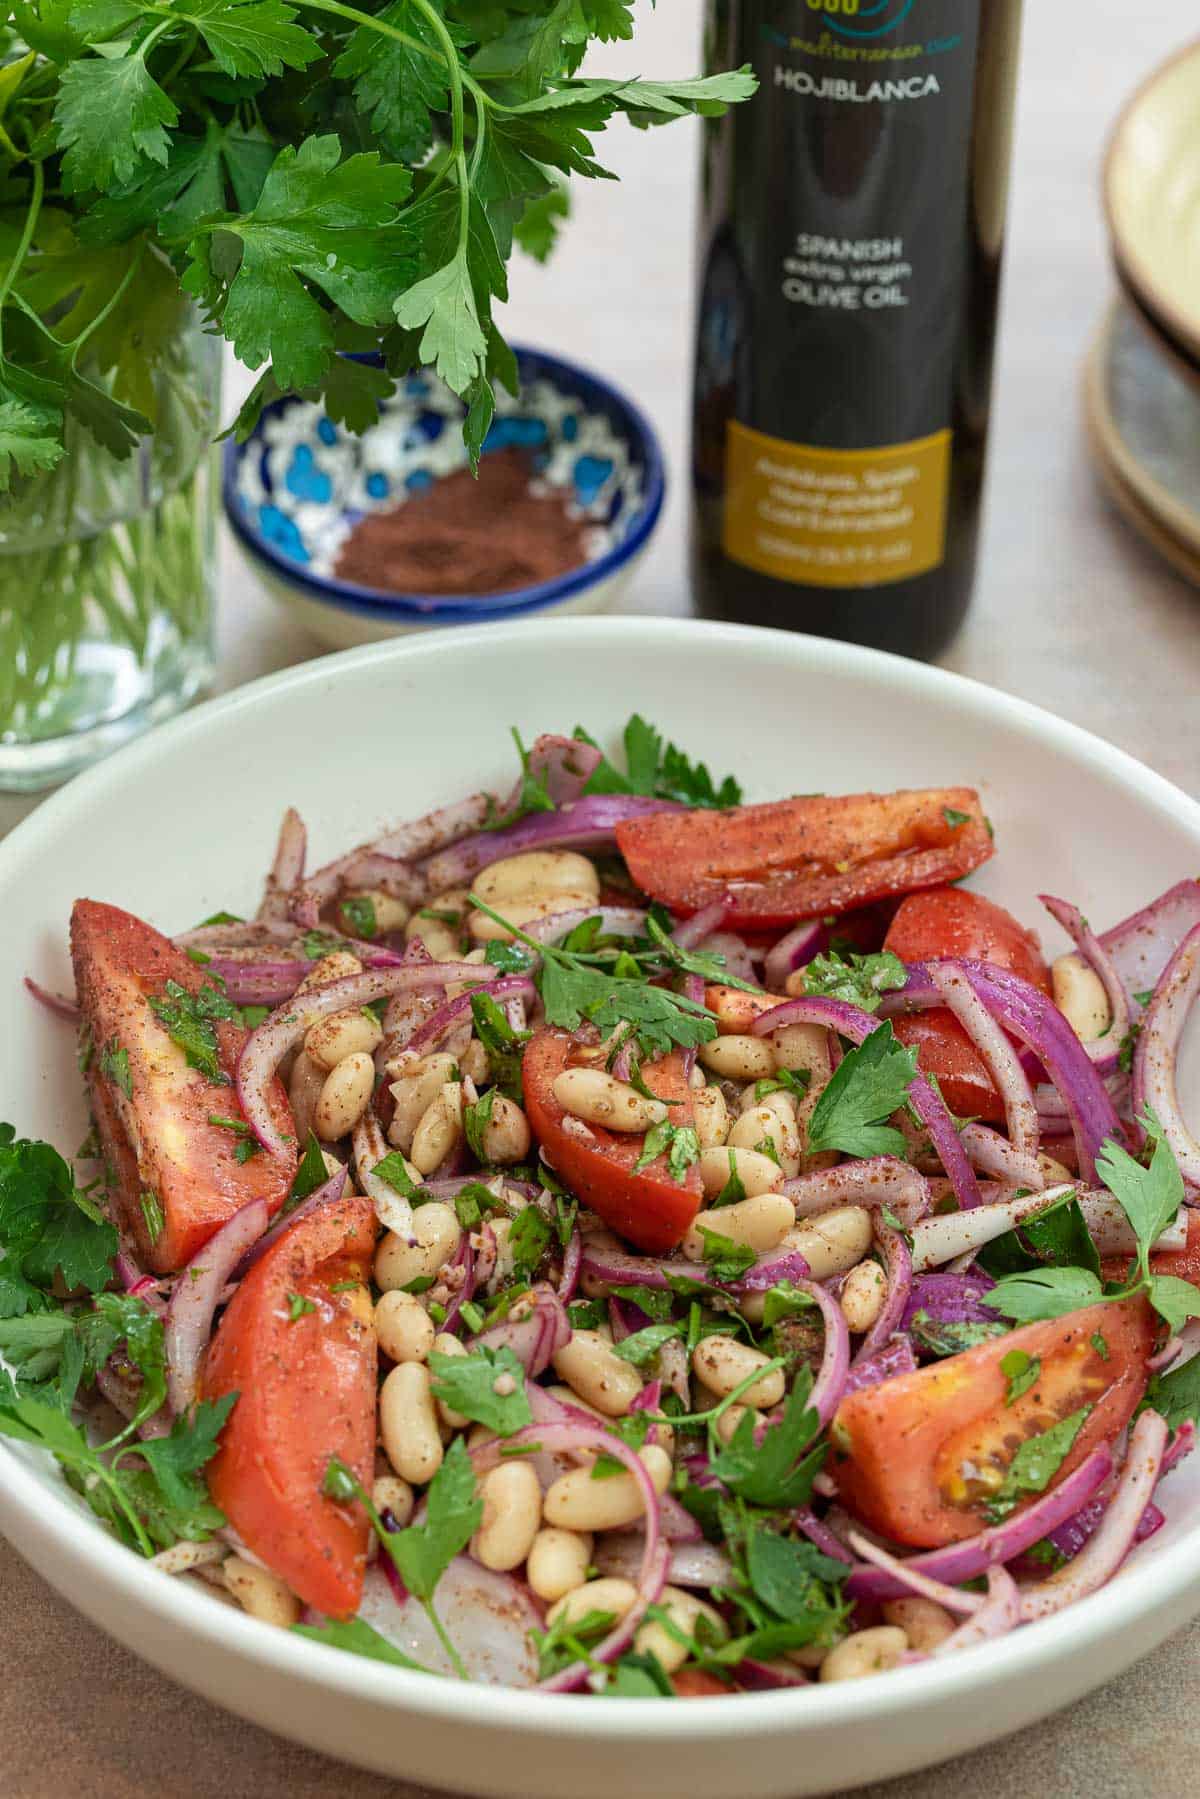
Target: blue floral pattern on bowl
x=302, y=483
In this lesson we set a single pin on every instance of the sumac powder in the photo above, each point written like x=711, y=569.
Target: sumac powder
x=465, y=535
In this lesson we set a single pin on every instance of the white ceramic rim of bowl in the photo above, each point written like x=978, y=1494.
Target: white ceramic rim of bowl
x=1182, y=328
x=91, y=1553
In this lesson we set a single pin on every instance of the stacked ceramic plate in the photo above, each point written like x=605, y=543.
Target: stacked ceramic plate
x=1143, y=374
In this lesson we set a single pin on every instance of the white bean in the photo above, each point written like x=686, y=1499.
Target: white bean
x=732, y=1416
x=537, y=874
x=923, y=1621
x=723, y=1363
x=685, y=1610
x=304, y=1090
x=600, y=1098
x=756, y=1172
x=577, y=1502
x=558, y=1561
x=832, y=1242
x=865, y=1652
x=863, y=1293
x=1080, y=997
x=739, y=1058
x=344, y=1097
x=711, y=1116
x=473, y=1063
x=343, y=1034
x=414, y=1090
x=338, y=965
x=769, y=1124
x=506, y=1135
x=391, y=1494
x=760, y=1223
x=408, y=1423
x=602, y=1379
x=512, y=1512
x=441, y=939
x=803, y=1045
x=398, y=1263
x=611, y=1596
x=260, y=1592
x=439, y=1130
x=403, y=1327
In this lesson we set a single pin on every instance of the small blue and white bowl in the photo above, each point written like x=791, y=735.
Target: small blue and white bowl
x=297, y=487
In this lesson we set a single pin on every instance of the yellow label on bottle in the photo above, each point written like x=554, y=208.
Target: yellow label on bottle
x=835, y=518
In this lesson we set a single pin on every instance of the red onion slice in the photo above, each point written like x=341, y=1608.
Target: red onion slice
x=830, y=1381
x=1154, y=1057
x=59, y=1003
x=287, y=870
x=1140, y=947
x=875, y=1181
x=602, y=1267
x=852, y=1022
x=694, y=1564
x=1103, y=1555
x=287, y=1026
x=565, y=764
x=999, y=1613
x=819, y=1533
x=392, y=1209
x=534, y=1339
x=896, y=1357
x=691, y=933
x=957, y=1562
x=899, y=1286
x=572, y=1260
x=958, y=991
x=804, y=941
x=615, y=921
x=1037, y=1023
x=952, y=1598
x=488, y=1618
x=587, y=824
x=1105, y=1050
x=938, y=1240
x=456, y=1011
x=188, y=1322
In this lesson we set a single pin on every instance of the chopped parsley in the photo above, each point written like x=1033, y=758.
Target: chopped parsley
x=487, y=1386
x=298, y=1305
x=114, y=1066
x=1021, y=1371
x=955, y=818
x=859, y=980
x=1034, y=1465
x=679, y=1142
x=357, y=912
x=152, y=1213
x=188, y=1019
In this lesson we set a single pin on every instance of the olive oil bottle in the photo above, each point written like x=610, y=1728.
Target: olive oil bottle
x=852, y=225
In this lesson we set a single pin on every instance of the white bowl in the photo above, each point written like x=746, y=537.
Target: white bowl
x=183, y=821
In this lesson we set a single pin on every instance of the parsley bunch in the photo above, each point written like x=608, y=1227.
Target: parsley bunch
x=318, y=176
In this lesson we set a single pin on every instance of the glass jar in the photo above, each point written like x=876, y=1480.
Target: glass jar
x=107, y=570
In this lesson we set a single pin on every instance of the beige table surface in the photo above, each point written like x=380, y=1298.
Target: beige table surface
x=1070, y=612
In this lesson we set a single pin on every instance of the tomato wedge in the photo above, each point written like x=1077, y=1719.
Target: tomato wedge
x=950, y=921
x=920, y=1455
x=953, y=921
x=153, y=1112
x=795, y=858
x=297, y=1345
x=649, y=1206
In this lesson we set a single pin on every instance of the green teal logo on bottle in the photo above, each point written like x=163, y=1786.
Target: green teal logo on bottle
x=861, y=18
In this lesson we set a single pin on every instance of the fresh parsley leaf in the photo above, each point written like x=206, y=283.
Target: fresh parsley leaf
x=655, y=1302
x=954, y=818
x=734, y=1189
x=1020, y=1371
x=310, y=1174
x=298, y=1304
x=868, y=1085
x=796, y=1583
x=659, y=769
x=473, y=1202
x=487, y=1386
x=795, y=1081
x=1173, y=1299
x=1149, y=1197
x=566, y=1642
x=638, y=1675
x=1044, y=1293
x=476, y=1119
x=529, y=1239
x=114, y=1066
x=1126, y=1047
x=1176, y=1394
x=585, y=1315
x=392, y=1169
x=188, y=1019
x=943, y=1339
x=1035, y=1464
x=509, y=958
x=726, y=1260
x=358, y=1637
x=453, y=1512
x=642, y=1347
x=772, y=1474
x=502, y=1043
x=678, y=1142
x=47, y=1226
x=1058, y=1238
x=860, y=980
x=785, y=1301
